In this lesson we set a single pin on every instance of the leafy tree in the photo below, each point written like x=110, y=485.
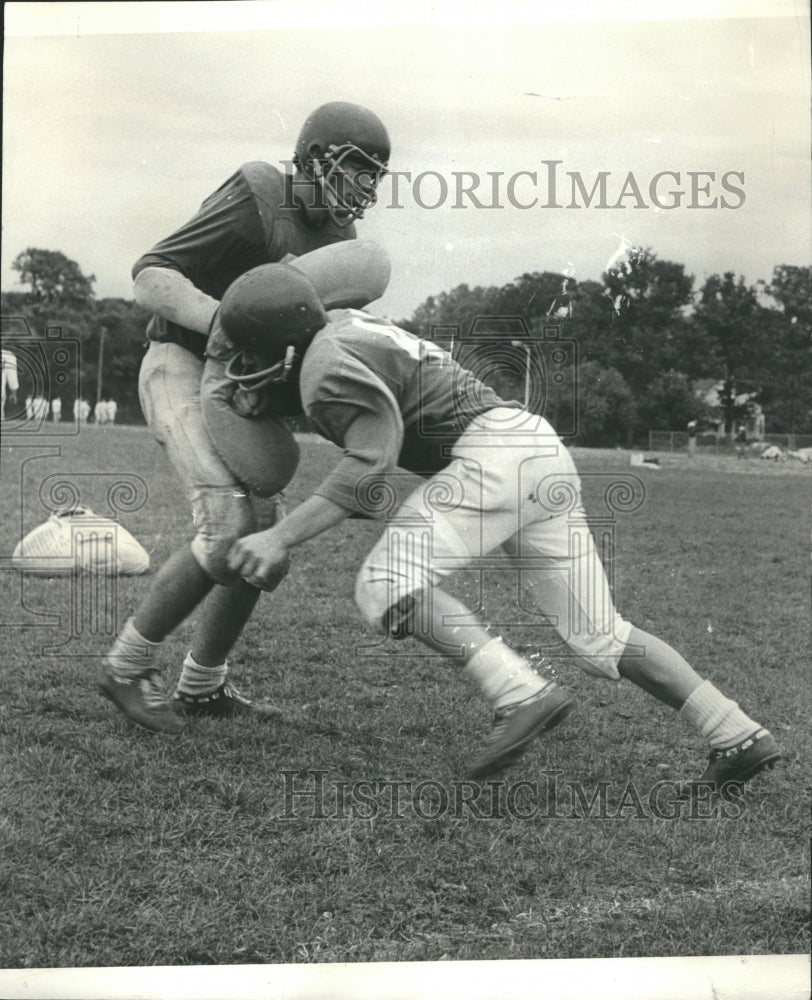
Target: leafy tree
x=605, y=405
x=787, y=377
x=791, y=287
x=61, y=295
x=735, y=322
x=531, y=297
x=455, y=309
x=670, y=402
x=649, y=300
x=591, y=324
x=649, y=292
x=643, y=342
x=54, y=278
x=541, y=297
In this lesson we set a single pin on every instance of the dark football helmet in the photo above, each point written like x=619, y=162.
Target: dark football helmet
x=271, y=313
x=344, y=148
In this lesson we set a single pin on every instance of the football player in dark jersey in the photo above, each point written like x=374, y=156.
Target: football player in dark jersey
x=257, y=216
x=496, y=474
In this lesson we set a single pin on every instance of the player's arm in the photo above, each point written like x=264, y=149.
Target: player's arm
x=371, y=447
x=225, y=234
x=372, y=443
x=170, y=294
x=259, y=558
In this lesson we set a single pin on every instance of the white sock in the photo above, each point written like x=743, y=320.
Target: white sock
x=132, y=655
x=718, y=719
x=504, y=677
x=196, y=679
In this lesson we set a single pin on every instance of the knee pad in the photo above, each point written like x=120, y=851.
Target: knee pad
x=392, y=579
x=398, y=620
x=267, y=511
x=383, y=607
x=395, y=620
x=221, y=515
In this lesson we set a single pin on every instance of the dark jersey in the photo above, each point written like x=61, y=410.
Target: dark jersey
x=250, y=220
x=388, y=398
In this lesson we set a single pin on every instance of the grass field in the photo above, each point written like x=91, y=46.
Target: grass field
x=124, y=848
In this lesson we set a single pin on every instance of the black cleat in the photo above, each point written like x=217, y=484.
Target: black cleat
x=141, y=700
x=515, y=726
x=740, y=763
x=224, y=703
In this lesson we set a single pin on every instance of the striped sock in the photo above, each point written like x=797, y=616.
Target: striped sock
x=198, y=680
x=718, y=719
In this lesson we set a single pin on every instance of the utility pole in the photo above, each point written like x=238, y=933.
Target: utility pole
x=526, y=347
x=102, y=335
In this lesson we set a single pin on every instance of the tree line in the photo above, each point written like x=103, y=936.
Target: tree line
x=108, y=331
x=647, y=344
x=650, y=346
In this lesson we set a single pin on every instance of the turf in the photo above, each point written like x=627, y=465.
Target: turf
x=124, y=848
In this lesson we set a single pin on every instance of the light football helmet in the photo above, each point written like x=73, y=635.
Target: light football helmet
x=344, y=148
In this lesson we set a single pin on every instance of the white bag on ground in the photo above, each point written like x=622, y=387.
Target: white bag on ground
x=78, y=540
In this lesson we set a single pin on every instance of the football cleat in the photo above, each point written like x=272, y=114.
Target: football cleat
x=224, y=703
x=741, y=762
x=515, y=726
x=141, y=700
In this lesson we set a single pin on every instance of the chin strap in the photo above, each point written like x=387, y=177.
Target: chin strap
x=255, y=380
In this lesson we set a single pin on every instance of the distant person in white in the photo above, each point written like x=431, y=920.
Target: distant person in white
x=81, y=410
x=100, y=412
x=56, y=409
x=39, y=408
x=9, y=380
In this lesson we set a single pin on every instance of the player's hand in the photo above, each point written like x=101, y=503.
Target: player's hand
x=260, y=559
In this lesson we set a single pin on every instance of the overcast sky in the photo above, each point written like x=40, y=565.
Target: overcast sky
x=118, y=123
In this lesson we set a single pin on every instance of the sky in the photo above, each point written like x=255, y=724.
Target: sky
x=119, y=119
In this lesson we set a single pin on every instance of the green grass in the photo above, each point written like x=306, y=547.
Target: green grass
x=123, y=848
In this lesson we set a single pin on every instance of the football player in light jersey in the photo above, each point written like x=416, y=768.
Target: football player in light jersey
x=258, y=215
x=9, y=380
x=389, y=399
